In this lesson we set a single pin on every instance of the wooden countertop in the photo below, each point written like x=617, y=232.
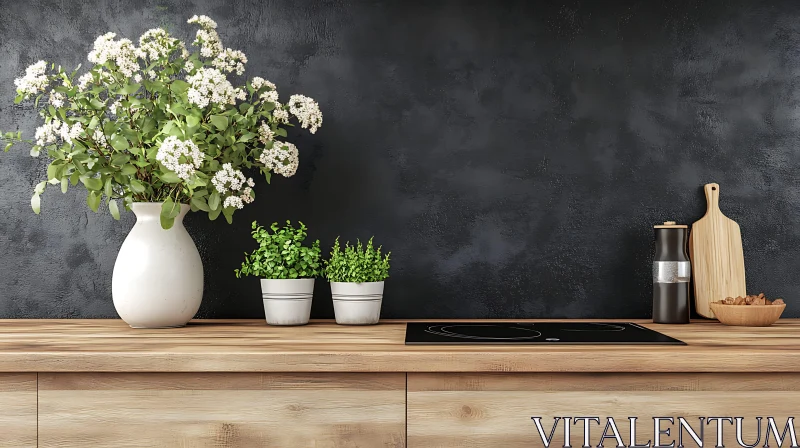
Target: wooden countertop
x=105, y=345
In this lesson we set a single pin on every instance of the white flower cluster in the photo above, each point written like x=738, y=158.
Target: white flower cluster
x=259, y=82
x=34, y=81
x=51, y=131
x=84, y=80
x=280, y=114
x=230, y=60
x=113, y=107
x=48, y=133
x=282, y=158
x=173, y=150
x=87, y=79
x=228, y=180
x=56, y=99
x=122, y=52
x=69, y=133
x=204, y=21
x=99, y=137
x=271, y=96
x=209, y=85
x=307, y=112
x=157, y=43
x=265, y=133
x=207, y=38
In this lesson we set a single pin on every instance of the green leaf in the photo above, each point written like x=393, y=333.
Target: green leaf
x=169, y=177
x=108, y=187
x=128, y=170
x=92, y=183
x=39, y=188
x=18, y=99
x=93, y=200
x=54, y=168
x=213, y=200
x=113, y=208
x=178, y=110
x=148, y=125
x=192, y=121
x=119, y=142
x=169, y=210
x=214, y=214
x=36, y=203
x=228, y=213
x=110, y=127
x=247, y=137
x=129, y=89
x=200, y=203
x=179, y=86
x=120, y=159
x=64, y=184
x=219, y=121
x=8, y=146
x=137, y=186
x=281, y=132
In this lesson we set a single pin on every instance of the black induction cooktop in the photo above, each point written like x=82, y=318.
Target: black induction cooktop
x=622, y=333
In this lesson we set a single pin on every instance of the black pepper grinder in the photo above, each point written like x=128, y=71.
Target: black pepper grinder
x=672, y=271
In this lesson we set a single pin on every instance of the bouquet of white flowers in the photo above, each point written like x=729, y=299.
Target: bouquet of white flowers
x=158, y=123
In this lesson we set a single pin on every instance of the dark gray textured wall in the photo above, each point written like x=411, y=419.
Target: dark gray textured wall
x=512, y=155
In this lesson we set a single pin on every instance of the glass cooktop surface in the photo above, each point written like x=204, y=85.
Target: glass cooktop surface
x=454, y=333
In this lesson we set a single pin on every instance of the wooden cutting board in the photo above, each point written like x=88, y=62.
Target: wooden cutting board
x=715, y=248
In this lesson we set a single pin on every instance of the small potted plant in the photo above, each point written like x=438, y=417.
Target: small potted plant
x=287, y=270
x=356, y=275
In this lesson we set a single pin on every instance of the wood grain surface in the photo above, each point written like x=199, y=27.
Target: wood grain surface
x=251, y=346
x=715, y=248
x=230, y=410
x=17, y=410
x=495, y=410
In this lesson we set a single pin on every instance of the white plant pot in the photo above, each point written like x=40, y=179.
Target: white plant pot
x=158, y=275
x=287, y=302
x=357, y=303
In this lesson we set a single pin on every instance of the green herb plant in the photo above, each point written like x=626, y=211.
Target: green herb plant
x=281, y=254
x=357, y=264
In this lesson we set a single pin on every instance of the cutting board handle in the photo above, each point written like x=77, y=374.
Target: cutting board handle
x=712, y=197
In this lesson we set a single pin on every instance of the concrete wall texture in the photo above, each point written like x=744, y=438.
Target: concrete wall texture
x=513, y=155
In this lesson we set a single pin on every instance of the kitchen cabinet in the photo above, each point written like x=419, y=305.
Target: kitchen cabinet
x=17, y=410
x=236, y=384
x=221, y=410
x=496, y=409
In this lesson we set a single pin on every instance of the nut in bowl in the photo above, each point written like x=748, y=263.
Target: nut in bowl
x=749, y=311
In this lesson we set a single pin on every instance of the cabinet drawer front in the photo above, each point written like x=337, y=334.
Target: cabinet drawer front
x=17, y=410
x=483, y=410
x=222, y=410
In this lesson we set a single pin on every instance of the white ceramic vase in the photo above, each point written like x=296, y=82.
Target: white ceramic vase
x=158, y=276
x=287, y=302
x=357, y=303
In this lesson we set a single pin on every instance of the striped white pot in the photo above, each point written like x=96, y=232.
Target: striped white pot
x=357, y=303
x=287, y=302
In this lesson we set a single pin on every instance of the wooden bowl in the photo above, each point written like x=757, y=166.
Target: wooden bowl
x=747, y=315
